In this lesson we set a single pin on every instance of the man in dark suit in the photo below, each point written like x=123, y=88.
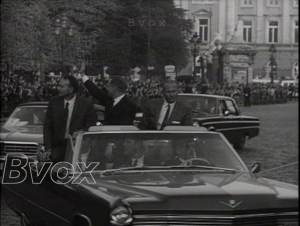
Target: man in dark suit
x=119, y=110
x=166, y=111
x=66, y=114
x=247, y=95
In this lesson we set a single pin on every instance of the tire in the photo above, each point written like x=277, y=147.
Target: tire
x=24, y=220
x=241, y=144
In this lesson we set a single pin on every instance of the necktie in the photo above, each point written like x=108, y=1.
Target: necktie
x=164, y=123
x=64, y=122
x=135, y=162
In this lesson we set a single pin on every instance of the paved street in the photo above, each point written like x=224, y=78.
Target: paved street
x=275, y=147
x=277, y=144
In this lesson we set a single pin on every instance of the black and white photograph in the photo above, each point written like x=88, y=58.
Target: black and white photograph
x=149, y=113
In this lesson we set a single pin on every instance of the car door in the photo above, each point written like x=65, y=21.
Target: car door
x=42, y=199
x=234, y=125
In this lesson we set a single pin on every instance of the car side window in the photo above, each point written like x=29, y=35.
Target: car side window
x=222, y=107
x=231, y=107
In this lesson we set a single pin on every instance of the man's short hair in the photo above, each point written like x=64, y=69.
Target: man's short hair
x=73, y=82
x=169, y=82
x=120, y=83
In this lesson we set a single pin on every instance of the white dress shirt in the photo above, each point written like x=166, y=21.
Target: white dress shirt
x=85, y=78
x=71, y=107
x=163, y=112
x=118, y=99
x=140, y=161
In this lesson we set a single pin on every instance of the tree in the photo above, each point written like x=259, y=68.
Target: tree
x=102, y=33
x=25, y=39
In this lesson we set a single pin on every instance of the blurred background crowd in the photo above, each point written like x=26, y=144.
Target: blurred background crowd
x=16, y=89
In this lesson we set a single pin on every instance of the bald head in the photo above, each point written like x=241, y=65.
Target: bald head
x=170, y=90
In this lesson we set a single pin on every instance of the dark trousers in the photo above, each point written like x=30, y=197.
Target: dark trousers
x=247, y=102
x=58, y=151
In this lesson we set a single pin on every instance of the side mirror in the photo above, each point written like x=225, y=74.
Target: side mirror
x=255, y=168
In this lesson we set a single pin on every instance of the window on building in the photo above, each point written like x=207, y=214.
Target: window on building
x=247, y=30
x=273, y=32
x=296, y=31
x=247, y=2
x=296, y=3
x=203, y=1
x=204, y=29
x=295, y=71
x=273, y=2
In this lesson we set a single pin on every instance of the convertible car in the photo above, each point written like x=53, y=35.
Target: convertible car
x=118, y=175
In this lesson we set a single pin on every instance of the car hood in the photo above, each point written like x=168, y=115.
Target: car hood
x=22, y=133
x=202, y=191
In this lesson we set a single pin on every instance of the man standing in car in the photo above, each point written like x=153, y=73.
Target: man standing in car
x=166, y=111
x=66, y=113
x=119, y=110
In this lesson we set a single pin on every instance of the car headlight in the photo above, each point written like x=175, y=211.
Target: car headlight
x=121, y=215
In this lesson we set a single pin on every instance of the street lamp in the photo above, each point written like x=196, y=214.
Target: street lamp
x=202, y=61
x=272, y=50
x=63, y=28
x=195, y=44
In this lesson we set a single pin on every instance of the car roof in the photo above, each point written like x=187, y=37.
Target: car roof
x=204, y=95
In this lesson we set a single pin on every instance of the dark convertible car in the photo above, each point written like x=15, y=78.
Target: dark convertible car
x=118, y=175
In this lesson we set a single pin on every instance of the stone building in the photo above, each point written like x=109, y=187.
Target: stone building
x=259, y=23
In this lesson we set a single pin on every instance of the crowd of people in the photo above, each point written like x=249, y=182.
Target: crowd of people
x=17, y=89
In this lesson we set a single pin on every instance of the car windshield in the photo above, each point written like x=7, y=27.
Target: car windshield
x=201, y=105
x=157, y=150
x=27, y=115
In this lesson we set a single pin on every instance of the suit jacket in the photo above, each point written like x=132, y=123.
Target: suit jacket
x=83, y=116
x=123, y=113
x=182, y=114
x=247, y=90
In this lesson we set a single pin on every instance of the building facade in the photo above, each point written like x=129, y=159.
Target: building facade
x=261, y=23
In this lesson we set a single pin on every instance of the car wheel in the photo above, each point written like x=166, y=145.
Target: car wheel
x=24, y=220
x=241, y=144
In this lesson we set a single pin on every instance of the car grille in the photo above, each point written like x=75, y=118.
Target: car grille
x=268, y=219
x=26, y=148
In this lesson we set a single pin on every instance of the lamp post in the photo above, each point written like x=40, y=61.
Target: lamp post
x=272, y=50
x=202, y=60
x=63, y=29
x=195, y=48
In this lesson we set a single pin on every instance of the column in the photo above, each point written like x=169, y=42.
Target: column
x=215, y=66
x=227, y=73
x=286, y=26
x=230, y=19
x=222, y=20
x=260, y=23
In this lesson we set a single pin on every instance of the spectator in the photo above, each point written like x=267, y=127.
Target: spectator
x=247, y=95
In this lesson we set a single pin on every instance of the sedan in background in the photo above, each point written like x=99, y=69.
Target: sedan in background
x=221, y=114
